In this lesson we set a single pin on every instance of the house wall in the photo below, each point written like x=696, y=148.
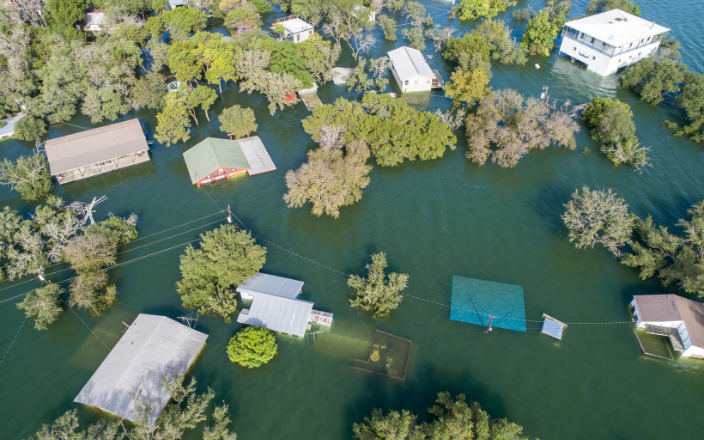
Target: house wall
x=600, y=62
x=425, y=84
x=103, y=167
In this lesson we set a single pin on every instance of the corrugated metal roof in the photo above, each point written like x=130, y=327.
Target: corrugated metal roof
x=617, y=27
x=278, y=314
x=410, y=62
x=271, y=285
x=256, y=154
x=213, y=153
x=152, y=347
x=89, y=147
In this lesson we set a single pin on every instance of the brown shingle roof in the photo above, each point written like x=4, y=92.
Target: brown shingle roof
x=94, y=146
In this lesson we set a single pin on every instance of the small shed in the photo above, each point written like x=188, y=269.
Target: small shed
x=97, y=151
x=412, y=72
x=281, y=315
x=214, y=159
x=269, y=285
x=7, y=126
x=552, y=327
x=151, y=348
x=296, y=29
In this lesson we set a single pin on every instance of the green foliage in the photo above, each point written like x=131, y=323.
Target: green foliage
x=491, y=40
x=653, y=80
x=29, y=129
x=473, y=9
x=451, y=419
x=388, y=26
x=210, y=274
x=29, y=176
x=598, y=6
x=43, y=305
x=598, y=217
x=541, y=34
x=173, y=123
x=238, y=121
x=67, y=12
x=467, y=86
x=376, y=292
x=181, y=22
x=252, y=347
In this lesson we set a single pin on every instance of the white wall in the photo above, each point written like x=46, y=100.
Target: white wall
x=418, y=83
x=601, y=63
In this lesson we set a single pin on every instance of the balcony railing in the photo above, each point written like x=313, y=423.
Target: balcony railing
x=606, y=49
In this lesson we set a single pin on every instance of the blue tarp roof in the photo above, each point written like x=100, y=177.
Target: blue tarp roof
x=474, y=301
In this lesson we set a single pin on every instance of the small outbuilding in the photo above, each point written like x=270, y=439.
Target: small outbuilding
x=296, y=29
x=278, y=314
x=153, y=347
x=97, y=151
x=214, y=159
x=269, y=285
x=677, y=318
x=611, y=40
x=412, y=72
x=7, y=126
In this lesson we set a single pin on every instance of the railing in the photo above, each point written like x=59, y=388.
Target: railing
x=606, y=50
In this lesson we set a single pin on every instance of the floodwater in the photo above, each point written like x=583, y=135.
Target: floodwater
x=433, y=219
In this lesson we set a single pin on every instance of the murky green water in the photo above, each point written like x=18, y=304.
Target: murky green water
x=434, y=220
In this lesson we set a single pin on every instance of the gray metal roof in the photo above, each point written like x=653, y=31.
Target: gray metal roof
x=90, y=147
x=271, y=285
x=152, y=347
x=410, y=62
x=278, y=314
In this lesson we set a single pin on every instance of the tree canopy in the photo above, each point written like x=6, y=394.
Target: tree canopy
x=252, y=347
x=377, y=292
x=211, y=274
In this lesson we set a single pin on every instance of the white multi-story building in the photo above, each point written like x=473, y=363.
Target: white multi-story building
x=680, y=319
x=611, y=40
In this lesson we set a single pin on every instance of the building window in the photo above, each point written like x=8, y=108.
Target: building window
x=415, y=82
x=406, y=82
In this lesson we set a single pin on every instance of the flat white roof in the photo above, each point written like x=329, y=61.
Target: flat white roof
x=271, y=285
x=617, y=27
x=278, y=314
x=410, y=62
x=153, y=346
x=295, y=25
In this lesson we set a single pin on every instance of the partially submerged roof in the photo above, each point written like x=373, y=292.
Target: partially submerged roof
x=667, y=308
x=278, y=314
x=90, y=147
x=617, y=27
x=410, y=62
x=153, y=346
x=271, y=285
x=212, y=154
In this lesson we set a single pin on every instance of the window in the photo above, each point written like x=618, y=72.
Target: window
x=415, y=82
x=406, y=82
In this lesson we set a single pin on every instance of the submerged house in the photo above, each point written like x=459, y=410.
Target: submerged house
x=412, y=72
x=97, y=151
x=680, y=319
x=611, y=40
x=152, y=347
x=275, y=305
x=295, y=29
x=214, y=159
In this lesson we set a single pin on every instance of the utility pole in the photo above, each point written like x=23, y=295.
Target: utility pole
x=489, y=328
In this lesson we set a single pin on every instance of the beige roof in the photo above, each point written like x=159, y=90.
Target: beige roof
x=617, y=27
x=94, y=146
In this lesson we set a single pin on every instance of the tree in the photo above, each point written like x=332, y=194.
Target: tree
x=210, y=274
x=43, y=305
x=67, y=12
x=388, y=26
x=541, y=34
x=598, y=217
x=173, y=123
x=252, y=347
x=376, y=292
x=29, y=128
x=237, y=121
x=467, y=86
x=598, y=6
x=29, y=176
x=181, y=22
x=330, y=179
x=514, y=126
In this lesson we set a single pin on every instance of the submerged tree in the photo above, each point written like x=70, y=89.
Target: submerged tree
x=376, y=292
x=211, y=274
x=29, y=176
x=252, y=347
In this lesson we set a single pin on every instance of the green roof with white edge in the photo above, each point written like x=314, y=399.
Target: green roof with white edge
x=213, y=153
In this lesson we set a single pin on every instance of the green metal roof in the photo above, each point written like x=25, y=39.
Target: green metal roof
x=211, y=154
